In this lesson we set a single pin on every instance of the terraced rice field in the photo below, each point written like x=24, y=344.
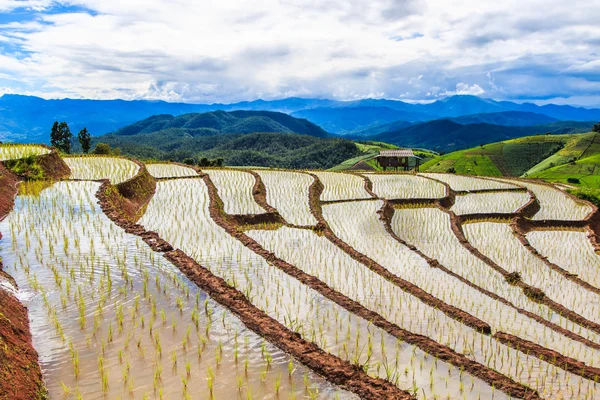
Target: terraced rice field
x=117, y=170
x=17, y=151
x=165, y=170
x=430, y=287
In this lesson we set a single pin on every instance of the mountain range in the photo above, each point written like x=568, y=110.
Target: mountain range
x=446, y=135
x=29, y=119
x=257, y=138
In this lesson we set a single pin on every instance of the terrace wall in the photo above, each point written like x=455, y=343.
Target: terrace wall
x=20, y=372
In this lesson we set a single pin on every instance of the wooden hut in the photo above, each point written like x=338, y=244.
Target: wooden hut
x=401, y=158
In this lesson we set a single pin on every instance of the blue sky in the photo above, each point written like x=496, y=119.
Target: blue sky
x=225, y=51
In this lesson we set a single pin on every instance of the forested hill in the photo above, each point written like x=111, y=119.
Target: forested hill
x=245, y=138
x=202, y=124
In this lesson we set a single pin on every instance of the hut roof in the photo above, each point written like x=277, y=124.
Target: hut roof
x=397, y=153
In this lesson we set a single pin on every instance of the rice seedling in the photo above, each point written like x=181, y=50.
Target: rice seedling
x=165, y=170
x=555, y=204
x=96, y=167
x=340, y=186
x=17, y=151
x=571, y=250
x=101, y=275
x=497, y=241
x=235, y=189
x=469, y=184
x=405, y=186
x=477, y=203
x=288, y=193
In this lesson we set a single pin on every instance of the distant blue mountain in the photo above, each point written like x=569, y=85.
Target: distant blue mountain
x=505, y=118
x=29, y=119
x=346, y=120
x=447, y=135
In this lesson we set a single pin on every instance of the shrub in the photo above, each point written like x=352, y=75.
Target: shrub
x=591, y=195
x=102, y=148
x=513, y=278
x=451, y=170
x=573, y=180
x=27, y=168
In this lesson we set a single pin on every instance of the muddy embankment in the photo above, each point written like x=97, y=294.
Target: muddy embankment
x=331, y=367
x=518, y=343
x=20, y=373
x=53, y=166
x=529, y=209
x=533, y=293
x=352, y=384
x=499, y=381
x=130, y=197
x=453, y=312
x=520, y=234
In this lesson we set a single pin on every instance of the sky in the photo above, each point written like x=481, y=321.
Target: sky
x=204, y=51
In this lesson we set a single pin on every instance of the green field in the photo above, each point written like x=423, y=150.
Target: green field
x=508, y=158
x=580, y=159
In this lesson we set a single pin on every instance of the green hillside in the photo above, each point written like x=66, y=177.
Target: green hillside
x=261, y=149
x=507, y=158
x=204, y=124
x=577, y=163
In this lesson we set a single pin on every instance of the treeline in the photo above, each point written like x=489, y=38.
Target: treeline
x=277, y=150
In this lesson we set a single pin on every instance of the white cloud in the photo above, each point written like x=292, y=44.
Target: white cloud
x=464, y=88
x=9, y=5
x=186, y=50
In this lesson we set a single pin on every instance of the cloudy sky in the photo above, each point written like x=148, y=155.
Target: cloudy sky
x=230, y=50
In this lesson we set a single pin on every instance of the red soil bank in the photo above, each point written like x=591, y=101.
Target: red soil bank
x=331, y=367
x=550, y=356
x=387, y=213
x=572, y=277
x=408, y=287
x=368, y=185
x=259, y=191
x=20, y=373
x=529, y=209
x=428, y=345
x=533, y=293
x=132, y=196
x=54, y=167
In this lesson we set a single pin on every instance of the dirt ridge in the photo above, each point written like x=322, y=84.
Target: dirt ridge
x=20, y=372
x=572, y=277
x=428, y=345
x=331, y=367
x=533, y=293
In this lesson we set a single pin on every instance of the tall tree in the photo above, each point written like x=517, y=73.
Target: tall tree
x=61, y=137
x=85, y=139
x=65, y=136
x=596, y=127
x=54, y=135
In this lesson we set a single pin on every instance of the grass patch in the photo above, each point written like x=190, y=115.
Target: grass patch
x=26, y=168
x=589, y=194
x=508, y=158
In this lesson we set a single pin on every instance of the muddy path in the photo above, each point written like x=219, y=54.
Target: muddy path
x=523, y=345
x=386, y=214
x=20, y=372
x=522, y=224
x=332, y=368
x=531, y=292
x=520, y=234
x=428, y=345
